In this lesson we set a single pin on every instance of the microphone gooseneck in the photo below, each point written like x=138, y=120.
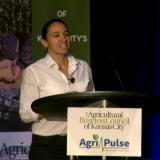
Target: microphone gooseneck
x=116, y=71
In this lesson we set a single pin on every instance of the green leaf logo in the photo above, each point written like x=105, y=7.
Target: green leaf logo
x=95, y=137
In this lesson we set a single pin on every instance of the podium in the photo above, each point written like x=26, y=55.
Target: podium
x=55, y=106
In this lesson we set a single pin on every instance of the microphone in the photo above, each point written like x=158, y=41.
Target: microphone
x=72, y=79
x=116, y=71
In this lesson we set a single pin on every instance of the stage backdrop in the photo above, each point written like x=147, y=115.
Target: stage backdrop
x=75, y=14
x=15, y=136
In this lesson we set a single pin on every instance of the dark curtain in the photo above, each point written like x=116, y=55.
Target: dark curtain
x=125, y=55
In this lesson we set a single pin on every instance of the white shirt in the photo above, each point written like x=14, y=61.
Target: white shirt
x=43, y=78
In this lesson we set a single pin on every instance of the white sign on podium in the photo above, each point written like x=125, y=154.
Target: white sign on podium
x=104, y=131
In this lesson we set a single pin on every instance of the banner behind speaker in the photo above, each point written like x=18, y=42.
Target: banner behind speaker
x=75, y=14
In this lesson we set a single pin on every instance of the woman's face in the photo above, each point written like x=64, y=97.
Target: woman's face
x=57, y=39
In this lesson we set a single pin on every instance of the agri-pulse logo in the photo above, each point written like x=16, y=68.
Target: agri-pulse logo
x=103, y=143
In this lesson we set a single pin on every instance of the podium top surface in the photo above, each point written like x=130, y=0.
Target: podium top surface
x=62, y=101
